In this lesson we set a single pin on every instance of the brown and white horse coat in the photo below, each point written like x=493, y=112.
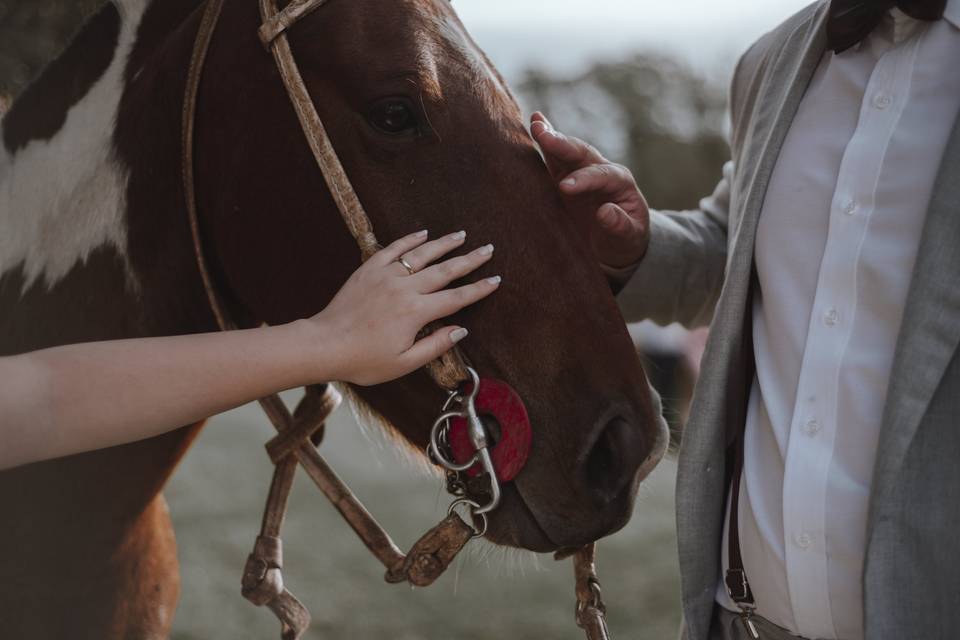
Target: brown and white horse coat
x=95, y=245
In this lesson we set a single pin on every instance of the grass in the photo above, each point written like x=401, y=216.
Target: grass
x=216, y=499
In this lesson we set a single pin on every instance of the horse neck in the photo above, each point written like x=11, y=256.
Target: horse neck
x=95, y=243
x=75, y=250
x=61, y=192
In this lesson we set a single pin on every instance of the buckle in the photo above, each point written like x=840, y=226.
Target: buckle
x=737, y=586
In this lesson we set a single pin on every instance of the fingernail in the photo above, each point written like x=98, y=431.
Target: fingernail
x=494, y=280
x=420, y=234
x=485, y=250
x=537, y=127
x=459, y=235
x=569, y=181
x=458, y=334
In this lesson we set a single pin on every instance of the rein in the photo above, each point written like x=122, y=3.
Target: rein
x=458, y=440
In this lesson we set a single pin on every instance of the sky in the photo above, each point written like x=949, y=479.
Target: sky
x=565, y=35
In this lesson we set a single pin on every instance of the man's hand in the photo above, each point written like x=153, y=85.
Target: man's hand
x=598, y=190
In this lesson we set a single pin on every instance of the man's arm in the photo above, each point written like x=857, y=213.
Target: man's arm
x=669, y=265
x=681, y=274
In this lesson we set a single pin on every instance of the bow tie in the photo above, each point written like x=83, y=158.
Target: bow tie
x=850, y=21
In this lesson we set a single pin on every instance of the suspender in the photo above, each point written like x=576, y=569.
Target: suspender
x=738, y=588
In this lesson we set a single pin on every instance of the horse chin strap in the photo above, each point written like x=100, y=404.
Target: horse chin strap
x=300, y=433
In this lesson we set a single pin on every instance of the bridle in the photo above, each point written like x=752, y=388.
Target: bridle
x=458, y=440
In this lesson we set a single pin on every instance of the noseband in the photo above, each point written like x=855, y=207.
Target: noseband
x=458, y=440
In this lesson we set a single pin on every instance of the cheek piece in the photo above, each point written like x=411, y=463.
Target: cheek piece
x=459, y=427
x=498, y=400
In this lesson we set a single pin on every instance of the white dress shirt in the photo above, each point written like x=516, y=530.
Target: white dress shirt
x=836, y=244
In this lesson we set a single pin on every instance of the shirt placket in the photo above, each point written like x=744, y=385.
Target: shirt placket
x=814, y=425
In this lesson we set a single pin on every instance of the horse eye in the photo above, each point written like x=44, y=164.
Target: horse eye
x=393, y=116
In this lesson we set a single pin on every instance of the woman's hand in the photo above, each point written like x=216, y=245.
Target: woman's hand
x=52, y=401
x=598, y=190
x=371, y=325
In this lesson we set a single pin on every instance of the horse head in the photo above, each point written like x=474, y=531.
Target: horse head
x=432, y=138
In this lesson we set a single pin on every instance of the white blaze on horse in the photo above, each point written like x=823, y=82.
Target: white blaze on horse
x=95, y=243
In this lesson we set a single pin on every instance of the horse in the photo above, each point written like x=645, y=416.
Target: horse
x=95, y=244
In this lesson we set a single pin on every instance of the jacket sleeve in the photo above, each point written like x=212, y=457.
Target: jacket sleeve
x=680, y=277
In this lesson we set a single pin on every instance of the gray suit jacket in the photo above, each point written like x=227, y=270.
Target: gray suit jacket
x=698, y=269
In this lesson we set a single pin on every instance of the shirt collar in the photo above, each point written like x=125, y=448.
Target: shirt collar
x=899, y=26
x=952, y=13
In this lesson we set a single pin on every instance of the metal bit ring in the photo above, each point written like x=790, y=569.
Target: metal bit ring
x=437, y=432
x=473, y=508
x=439, y=444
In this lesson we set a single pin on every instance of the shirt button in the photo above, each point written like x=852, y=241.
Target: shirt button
x=811, y=427
x=882, y=101
x=803, y=540
x=850, y=206
x=831, y=317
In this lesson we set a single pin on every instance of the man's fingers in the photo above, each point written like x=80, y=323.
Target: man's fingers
x=394, y=250
x=541, y=126
x=428, y=252
x=562, y=149
x=571, y=152
x=440, y=275
x=614, y=220
x=538, y=116
x=607, y=179
x=432, y=347
x=449, y=301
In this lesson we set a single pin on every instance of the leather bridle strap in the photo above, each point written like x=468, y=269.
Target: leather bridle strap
x=295, y=443
x=591, y=612
x=280, y=21
x=450, y=369
x=298, y=433
x=273, y=36
x=208, y=23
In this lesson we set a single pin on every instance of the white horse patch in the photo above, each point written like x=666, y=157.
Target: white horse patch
x=62, y=198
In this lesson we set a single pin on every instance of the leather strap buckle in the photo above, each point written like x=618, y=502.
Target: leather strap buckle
x=737, y=586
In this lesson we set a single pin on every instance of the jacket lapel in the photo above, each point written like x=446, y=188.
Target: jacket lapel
x=700, y=486
x=787, y=79
x=930, y=332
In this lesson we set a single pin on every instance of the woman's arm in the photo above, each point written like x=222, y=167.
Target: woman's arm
x=75, y=398
x=89, y=396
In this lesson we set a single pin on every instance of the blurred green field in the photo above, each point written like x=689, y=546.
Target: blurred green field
x=216, y=499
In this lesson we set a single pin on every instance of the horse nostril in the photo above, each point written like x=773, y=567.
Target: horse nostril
x=613, y=460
